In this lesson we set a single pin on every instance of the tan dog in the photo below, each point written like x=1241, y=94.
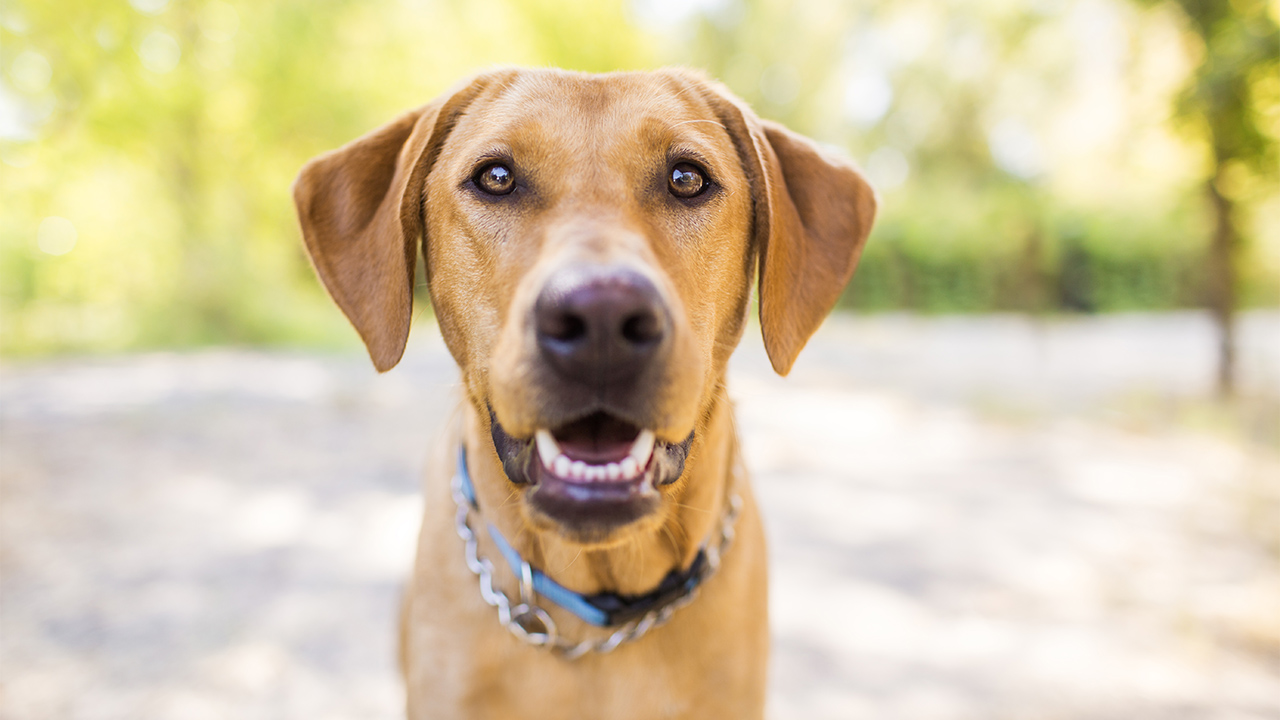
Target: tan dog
x=590, y=245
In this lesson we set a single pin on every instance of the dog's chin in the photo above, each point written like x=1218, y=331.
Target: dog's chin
x=591, y=479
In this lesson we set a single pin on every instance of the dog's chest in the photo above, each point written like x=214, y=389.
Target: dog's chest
x=707, y=662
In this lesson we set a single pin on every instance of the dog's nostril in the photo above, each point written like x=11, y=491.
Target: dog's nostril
x=574, y=328
x=642, y=328
x=565, y=327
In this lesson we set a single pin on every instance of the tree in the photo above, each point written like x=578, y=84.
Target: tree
x=1241, y=48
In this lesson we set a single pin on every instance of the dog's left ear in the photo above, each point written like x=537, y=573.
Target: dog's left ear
x=821, y=211
x=360, y=208
x=813, y=212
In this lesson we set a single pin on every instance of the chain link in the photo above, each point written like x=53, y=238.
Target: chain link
x=534, y=625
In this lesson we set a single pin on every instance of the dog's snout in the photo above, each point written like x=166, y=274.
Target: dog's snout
x=600, y=325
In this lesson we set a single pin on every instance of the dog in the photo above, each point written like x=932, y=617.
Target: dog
x=590, y=546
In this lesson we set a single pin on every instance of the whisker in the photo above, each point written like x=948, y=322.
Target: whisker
x=675, y=546
x=574, y=560
x=713, y=122
x=692, y=507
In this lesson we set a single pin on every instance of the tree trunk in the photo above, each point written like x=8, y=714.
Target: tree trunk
x=1222, y=281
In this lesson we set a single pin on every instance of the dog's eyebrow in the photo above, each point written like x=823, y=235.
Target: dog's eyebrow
x=698, y=120
x=499, y=151
x=491, y=153
x=686, y=151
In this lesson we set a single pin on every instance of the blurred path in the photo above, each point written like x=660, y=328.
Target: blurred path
x=960, y=526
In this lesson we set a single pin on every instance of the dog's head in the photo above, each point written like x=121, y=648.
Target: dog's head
x=590, y=245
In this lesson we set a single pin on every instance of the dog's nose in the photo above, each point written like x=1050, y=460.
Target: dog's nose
x=600, y=325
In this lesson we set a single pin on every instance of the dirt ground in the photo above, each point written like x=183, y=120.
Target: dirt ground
x=978, y=518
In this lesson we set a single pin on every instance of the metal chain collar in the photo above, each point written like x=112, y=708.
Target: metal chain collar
x=533, y=625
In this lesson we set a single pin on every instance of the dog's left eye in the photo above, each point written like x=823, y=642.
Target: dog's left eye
x=687, y=180
x=495, y=179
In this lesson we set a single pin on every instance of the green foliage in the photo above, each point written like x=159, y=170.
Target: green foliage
x=1241, y=46
x=171, y=133
x=1044, y=260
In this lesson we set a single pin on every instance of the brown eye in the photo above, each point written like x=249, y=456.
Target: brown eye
x=687, y=180
x=495, y=179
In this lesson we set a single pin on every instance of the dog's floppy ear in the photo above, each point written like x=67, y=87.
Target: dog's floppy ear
x=813, y=212
x=822, y=209
x=360, y=208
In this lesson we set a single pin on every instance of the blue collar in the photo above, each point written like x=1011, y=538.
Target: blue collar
x=601, y=609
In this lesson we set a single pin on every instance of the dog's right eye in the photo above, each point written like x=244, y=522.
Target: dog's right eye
x=495, y=179
x=687, y=180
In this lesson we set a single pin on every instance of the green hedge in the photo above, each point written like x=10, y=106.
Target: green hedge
x=993, y=253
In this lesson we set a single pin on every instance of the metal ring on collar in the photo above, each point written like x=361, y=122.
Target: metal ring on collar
x=526, y=583
x=520, y=625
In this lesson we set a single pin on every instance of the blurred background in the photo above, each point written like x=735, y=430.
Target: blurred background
x=1029, y=468
x=1050, y=156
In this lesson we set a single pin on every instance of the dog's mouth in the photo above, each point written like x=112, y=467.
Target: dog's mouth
x=593, y=474
x=597, y=448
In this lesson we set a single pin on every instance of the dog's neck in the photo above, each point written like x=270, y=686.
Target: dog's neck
x=638, y=563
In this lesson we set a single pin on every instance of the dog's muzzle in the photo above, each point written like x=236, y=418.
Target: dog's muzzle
x=604, y=336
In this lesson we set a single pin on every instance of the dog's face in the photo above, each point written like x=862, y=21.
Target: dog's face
x=592, y=270
x=590, y=244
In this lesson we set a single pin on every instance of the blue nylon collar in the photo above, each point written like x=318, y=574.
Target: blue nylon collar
x=601, y=609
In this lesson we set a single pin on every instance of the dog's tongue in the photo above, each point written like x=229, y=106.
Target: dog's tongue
x=597, y=439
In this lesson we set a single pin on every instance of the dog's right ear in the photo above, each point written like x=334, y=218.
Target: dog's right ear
x=360, y=208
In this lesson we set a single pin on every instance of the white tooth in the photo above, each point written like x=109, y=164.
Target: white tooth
x=562, y=466
x=597, y=473
x=629, y=467
x=613, y=471
x=548, y=448
x=642, y=448
x=578, y=470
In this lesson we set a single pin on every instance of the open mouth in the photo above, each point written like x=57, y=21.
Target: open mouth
x=593, y=474
x=597, y=448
